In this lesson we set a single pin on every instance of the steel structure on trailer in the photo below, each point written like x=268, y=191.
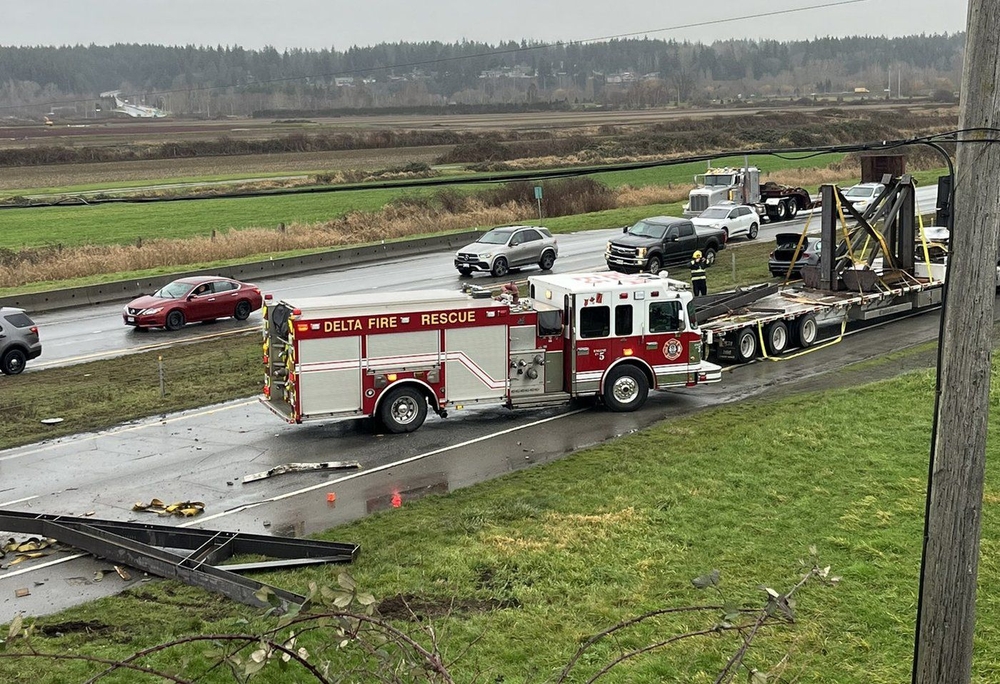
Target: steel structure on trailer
x=153, y=549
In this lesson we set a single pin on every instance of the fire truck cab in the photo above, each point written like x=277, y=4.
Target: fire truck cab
x=394, y=356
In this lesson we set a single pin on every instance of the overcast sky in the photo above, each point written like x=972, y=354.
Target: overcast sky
x=317, y=24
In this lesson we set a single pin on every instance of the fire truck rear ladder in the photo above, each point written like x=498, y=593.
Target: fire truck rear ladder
x=144, y=547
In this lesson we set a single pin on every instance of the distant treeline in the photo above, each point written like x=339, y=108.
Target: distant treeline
x=213, y=81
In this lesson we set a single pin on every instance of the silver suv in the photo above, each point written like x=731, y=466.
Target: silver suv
x=502, y=249
x=18, y=340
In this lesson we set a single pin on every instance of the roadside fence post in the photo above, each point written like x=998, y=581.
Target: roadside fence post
x=733, y=255
x=163, y=390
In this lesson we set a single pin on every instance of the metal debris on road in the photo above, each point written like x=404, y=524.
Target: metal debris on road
x=189, y=555
x=187, y=509
x=300, y=468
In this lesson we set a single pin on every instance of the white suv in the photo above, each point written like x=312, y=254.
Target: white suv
x=863, y=194
x=735, y=219
x=502, y=249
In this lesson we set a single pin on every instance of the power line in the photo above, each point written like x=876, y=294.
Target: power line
x=492, y=53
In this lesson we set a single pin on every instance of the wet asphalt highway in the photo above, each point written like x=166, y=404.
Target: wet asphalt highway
x=97, y=332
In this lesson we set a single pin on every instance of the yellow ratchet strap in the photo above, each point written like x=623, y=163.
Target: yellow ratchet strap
x=798, y=250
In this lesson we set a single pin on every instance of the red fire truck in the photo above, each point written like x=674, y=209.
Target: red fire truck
x=394, y=355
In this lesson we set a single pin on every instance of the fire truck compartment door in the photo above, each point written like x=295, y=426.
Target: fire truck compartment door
x=329, y=375
x=476, y=363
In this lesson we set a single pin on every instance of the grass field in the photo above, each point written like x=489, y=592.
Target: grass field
x=540, y=560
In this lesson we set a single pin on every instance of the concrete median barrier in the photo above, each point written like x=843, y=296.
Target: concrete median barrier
x=345, y=257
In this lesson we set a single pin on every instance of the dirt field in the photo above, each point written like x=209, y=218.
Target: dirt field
x=129, y=132
x=64, y=175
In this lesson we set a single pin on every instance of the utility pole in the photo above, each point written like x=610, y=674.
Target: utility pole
x=946, y=611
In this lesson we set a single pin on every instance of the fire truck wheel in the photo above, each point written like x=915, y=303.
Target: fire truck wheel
x=776, y=338
x=500, y=267
x=752, y=233
x=242, y=311
x=746, y=345
x=806, y=331
x=625, y=389
x=403, y=410
x=175, y=320
x=547, y=260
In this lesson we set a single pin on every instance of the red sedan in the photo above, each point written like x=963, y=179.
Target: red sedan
x=188, y=300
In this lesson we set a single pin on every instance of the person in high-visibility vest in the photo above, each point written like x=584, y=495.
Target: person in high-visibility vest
x=699, y=280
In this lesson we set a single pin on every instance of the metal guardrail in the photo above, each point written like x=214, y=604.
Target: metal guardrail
x=124, y=290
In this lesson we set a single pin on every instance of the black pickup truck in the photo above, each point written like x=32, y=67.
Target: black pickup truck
x=661, y=240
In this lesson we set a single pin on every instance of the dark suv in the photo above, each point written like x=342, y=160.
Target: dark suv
x=18, y=340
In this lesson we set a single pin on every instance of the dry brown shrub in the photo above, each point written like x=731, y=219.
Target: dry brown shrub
x=629, y=196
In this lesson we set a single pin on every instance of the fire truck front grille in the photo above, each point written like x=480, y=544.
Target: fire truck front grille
x=699, y=203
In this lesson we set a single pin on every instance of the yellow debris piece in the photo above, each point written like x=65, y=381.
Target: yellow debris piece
x=187, y=509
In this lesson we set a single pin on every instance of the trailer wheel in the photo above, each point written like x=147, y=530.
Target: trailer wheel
x=402, y=410
x=806, y=331
x=776, y=338
x=793, y=207
x=782, y=211
x=625, y=389
x=746, y=345
x=752, y=233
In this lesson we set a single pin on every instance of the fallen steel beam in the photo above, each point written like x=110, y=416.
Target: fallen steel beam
x=710, y=306
x=145, y=547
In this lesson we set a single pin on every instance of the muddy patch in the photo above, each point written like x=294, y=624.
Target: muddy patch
x=60, y=629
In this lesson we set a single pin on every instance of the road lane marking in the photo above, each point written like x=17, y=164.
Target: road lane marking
x=380, y=468
x=17, y=501
x=131, y=428
x=42, y=566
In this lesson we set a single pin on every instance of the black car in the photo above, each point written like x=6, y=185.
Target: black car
x=779, y=260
